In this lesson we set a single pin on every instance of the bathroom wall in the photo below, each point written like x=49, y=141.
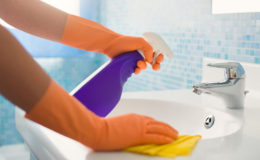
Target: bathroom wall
x=192, y=33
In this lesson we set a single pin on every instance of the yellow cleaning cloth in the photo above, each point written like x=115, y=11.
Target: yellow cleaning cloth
x=183, y=145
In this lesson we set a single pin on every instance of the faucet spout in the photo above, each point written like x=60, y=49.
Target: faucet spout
x=232, y=90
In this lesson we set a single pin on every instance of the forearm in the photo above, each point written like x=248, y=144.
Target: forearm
x=35, y=17
x=22, y=80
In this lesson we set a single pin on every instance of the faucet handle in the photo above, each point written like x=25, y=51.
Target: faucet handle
x=224, y=65
x=233, y=69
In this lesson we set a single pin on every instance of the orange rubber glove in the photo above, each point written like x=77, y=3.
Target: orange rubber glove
x=91, y=36
x=59, y=111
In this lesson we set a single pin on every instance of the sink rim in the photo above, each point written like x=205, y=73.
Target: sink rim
x=176, y=96
x=238, y=120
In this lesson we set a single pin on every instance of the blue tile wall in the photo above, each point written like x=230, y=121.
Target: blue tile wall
x=192, y=33
x=8, y=132
x=69, y=72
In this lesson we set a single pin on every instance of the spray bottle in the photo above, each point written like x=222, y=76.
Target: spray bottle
x=101, y=91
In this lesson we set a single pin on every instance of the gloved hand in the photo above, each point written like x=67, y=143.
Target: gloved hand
x=91, y=36
x=59, y=111
x=133, y=129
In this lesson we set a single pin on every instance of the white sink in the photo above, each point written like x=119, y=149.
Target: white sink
x=187, y=119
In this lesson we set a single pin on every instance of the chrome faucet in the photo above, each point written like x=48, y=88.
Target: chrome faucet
x=232, y=90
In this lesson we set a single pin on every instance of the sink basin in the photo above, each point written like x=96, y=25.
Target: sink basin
x=187, y=119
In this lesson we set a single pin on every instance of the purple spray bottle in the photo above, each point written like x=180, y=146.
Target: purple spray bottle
x=101, y=91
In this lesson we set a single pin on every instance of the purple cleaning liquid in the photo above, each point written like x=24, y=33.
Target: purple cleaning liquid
x=101, y=93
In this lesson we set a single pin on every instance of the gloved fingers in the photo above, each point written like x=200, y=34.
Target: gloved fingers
x=156, y=66
x=163, y=128
x=141, y=64
x=159, y=58
x=147, y=49
x=137, y=70
x=151, y=138
x=155, y=122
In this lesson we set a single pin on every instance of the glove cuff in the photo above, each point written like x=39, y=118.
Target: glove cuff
x=87, y=35
x=59, y=111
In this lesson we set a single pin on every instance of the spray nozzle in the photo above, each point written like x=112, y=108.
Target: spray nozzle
x=158, y=44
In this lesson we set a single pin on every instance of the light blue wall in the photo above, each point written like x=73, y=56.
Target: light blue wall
x=8, y=132
x=192, y=33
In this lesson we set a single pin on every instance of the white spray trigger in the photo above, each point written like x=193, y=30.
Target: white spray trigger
x=158, y=44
